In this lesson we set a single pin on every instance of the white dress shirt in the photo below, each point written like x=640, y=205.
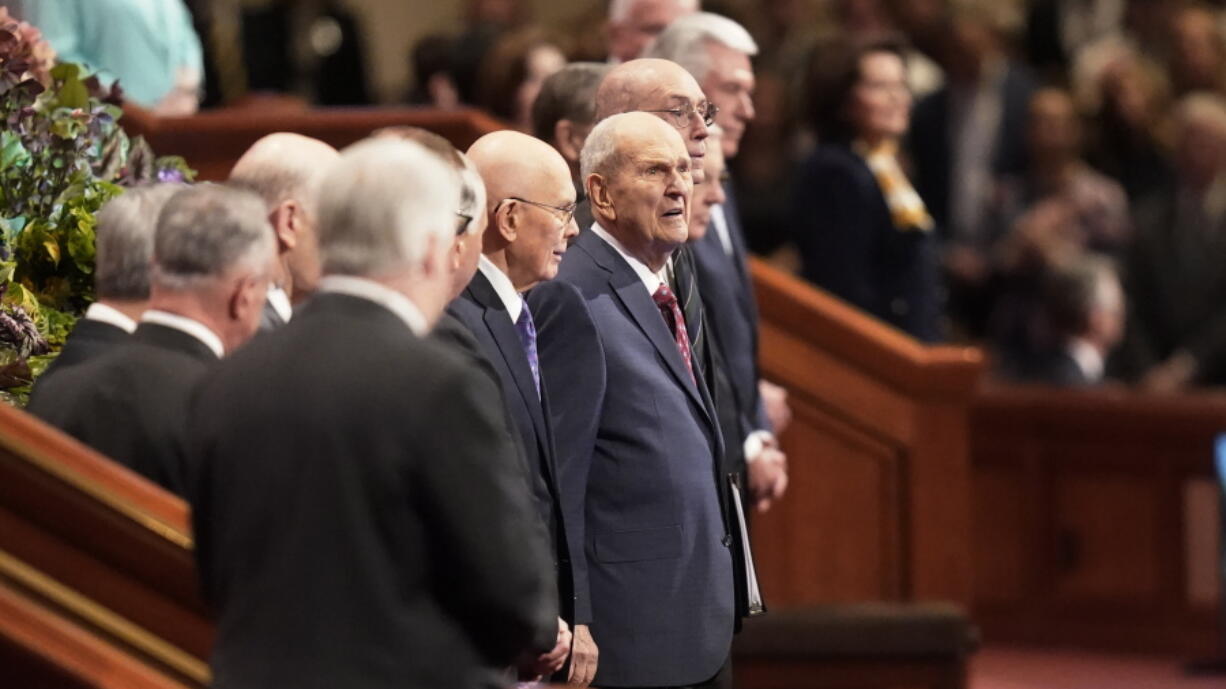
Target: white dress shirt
x=720, y=222
x=279, y=301
x=502, y=287
x=1088, y=359
x=191, y=326
x=102, y=313
x=384, y=296
x=651, y=280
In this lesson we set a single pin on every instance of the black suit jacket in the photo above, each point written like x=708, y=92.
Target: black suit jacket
x=642, y=487
x=88, y=339
x=360, y=520
x=131, y=403
x=482, y=312
x=850, y=247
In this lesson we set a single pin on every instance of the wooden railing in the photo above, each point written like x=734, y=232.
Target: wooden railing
x=92, y=555
x=878, y=506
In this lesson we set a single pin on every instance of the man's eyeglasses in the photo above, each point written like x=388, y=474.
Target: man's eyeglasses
x=681, y=117
x=467, y=220
x=567, y=212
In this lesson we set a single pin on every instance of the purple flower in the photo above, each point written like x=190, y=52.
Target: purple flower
x=172, y=175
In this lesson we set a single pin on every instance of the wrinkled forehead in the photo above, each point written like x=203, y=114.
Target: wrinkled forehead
x=653, y=144
x=671, y=88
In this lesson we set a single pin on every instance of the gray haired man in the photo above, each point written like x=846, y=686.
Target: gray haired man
x=212, y=262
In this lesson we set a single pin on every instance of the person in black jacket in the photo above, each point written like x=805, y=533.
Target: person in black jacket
x=123, y=249
x=862, y=230
x=360, y=520
x=212, y=263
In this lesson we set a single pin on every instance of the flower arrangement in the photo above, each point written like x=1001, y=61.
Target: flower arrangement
x=62, y=156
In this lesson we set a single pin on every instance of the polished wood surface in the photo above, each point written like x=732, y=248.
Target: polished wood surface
x=878, y=506
x=1083, y=527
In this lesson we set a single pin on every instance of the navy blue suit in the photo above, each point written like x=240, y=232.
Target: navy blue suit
x=642, y=490
x=482, y=311
x=850, y=247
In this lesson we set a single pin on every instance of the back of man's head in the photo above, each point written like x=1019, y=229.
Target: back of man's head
x=384, y=205
x=124, y=242
x=568, y=94
x=685, y=41
x=284, y=166
x=208, y=232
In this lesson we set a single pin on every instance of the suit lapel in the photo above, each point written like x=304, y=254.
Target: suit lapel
x=510, y=347
x=633, y=295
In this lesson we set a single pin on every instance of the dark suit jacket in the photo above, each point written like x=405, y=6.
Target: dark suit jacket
x=1058, y=367
x=850, y=247
x=88, y=339
x=641, y=485
x=359, y=517
x=932, y=149
x=481, y=310
x=131, y=403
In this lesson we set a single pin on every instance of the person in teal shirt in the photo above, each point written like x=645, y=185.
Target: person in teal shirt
x=148, y=45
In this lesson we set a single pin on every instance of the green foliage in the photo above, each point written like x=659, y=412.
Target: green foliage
x=62, y=156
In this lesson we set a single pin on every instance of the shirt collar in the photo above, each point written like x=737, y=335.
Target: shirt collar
x=502, y=285
x=279, y=301
x=720, y=222
x=191, y=326
x=103, y=313
x=388, y=298
x=1088, y=359
x=651, y=281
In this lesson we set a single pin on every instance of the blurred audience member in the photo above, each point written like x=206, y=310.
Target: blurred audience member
x=151, y=48
x=966, y=137
x=564, y=114
x=1127, y=137
x=512, y=73
x=1056, y=30
x=634, y=24
x=863, y=232
x=286, y=171
x=486, y=21
x=864, y=19
x=1175, y=282
x=433, y=84
x=1084, y=313
x=1198, y=49
x=123, y=251
x=212, y=261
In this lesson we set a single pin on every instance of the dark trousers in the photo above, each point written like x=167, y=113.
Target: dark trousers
x=721, y=680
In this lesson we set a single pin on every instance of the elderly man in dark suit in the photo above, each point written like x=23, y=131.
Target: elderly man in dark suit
x=123, y=249
x=212, y=263
x=717, y=51
x=360, y=517
x=530, y=205
x=642, y=489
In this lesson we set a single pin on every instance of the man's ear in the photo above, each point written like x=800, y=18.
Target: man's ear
x=287, y=221
x=599, y=196
x=507, y=220
x=565, y=137
x=457, y=250
x=242, y=297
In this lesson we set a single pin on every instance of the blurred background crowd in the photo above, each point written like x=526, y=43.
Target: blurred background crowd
x=1044, y=177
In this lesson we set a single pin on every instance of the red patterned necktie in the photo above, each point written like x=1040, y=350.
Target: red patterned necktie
x=671, y=310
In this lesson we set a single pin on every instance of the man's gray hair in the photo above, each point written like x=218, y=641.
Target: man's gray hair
x=205, y=232
x=619, y=10
x=600, y=154
x=685, y=41
x=382, y=203
x=472, y=193
x=568, y=94
x=124, y=241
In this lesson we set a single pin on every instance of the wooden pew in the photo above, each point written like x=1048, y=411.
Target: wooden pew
x=1096, y=518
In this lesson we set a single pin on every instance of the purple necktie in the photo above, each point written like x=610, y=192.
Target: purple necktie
x=527, y=335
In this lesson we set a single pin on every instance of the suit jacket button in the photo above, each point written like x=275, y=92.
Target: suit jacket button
x=727, y=540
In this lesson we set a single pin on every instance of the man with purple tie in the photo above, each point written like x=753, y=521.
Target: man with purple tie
x=635, y=427
x=530, y=202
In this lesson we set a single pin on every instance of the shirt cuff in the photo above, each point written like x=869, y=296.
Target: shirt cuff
x=756, y=442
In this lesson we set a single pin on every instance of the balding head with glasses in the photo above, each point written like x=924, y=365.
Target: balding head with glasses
x=666, y=90
x=531, y=203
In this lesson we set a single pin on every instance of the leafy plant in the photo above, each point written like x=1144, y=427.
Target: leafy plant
x=62, y=156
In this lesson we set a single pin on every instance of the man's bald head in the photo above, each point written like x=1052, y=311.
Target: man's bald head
x=663, y=88
x=287, y=171
x=530, y=199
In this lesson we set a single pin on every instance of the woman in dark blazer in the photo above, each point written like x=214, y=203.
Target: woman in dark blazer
x=862, y=231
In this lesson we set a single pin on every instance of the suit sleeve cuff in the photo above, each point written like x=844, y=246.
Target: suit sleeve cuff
x=755, y=443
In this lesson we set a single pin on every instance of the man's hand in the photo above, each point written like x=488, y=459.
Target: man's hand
x=768, y=477
x=1172, y=375
x=775, y=399
x=583, y=657
x=548, y=663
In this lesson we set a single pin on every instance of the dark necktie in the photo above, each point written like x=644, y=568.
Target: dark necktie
x=527, y=335
x=671, y=310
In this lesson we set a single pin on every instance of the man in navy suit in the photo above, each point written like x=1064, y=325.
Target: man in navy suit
x=530, y=202
x=640, y=447
x=717, y=51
